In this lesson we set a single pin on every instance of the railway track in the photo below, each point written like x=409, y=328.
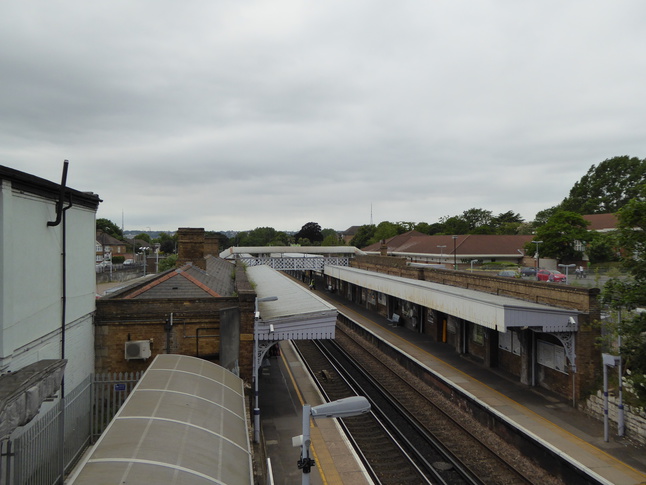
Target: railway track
x=424, y=437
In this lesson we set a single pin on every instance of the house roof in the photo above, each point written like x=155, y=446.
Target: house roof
x=106, y=240
x=414, y=242
x=601, y=222
x=188, y=282
x=351, y=231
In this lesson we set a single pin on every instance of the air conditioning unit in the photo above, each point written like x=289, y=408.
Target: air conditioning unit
x=137, y=349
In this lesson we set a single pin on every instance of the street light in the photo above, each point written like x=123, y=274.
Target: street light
x=455, y=255
x=473, y=261
x=342, y=408
x=143, y=250
x=537, y=257
x=157, y=246
x=441, y=252
x=567, y=267
x=256, y=365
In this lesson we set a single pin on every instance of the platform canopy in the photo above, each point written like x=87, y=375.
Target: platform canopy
x=492, y=311
x=185, y=422
x=296, y=314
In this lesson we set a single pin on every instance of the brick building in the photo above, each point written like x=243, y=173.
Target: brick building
x=202, y=308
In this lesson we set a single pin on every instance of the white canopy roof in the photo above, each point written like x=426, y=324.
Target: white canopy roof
x=491, y=311
x=297, y=313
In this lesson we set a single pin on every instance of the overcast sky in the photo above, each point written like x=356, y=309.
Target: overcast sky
x=232, y=115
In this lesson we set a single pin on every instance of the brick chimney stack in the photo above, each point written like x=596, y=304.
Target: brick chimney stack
x=383, y=249
x=190, y=242
x=211, y=245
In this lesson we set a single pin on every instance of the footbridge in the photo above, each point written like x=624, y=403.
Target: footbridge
x=293, y=258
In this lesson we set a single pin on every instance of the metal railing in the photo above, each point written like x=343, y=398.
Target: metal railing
x=110, y=392
x=35, y=455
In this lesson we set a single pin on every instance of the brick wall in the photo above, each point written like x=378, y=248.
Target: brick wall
x=118, y=321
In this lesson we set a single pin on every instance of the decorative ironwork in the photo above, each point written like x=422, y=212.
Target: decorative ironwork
x=568, y=339
x=296, y=264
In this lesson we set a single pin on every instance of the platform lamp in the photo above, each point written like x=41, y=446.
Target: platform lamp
x=143, y=250
x=441, y=251
x=341, y=408
x=567, y=267
x=256, y=365
x=455, y=255
x=537, y=257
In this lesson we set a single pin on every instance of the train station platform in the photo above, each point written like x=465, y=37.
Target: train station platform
x=547, y=416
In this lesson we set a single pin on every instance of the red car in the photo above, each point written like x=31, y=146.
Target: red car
x=550, y=275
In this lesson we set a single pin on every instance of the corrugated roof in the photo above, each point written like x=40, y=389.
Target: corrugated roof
x=185, y=422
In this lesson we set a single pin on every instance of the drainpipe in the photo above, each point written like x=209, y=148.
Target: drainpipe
x=60, y=216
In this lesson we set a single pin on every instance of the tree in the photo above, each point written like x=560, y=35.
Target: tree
x=608, y=187
x=543, y=216
x=630, y=294
x=559, y=236
x=331, y=238
x=262, y=236
x=385, y=230
x=109, y=227
x=167, y=263
x=144, y=237
x=476, y=218
x=363, y=235
x=167, y=243
x=453, y=225
x=601, y=247
x=310, y=231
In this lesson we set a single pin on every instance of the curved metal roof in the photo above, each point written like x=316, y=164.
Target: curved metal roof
x=184, y=423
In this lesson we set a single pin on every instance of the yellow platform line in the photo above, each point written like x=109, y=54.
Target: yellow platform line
x=321, y=454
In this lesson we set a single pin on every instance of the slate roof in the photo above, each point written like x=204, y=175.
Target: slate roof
x=190, y=282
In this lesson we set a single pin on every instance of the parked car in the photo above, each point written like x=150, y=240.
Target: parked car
x=128, y=262
x=551, y=275
x=527, y=271
x=509, y=273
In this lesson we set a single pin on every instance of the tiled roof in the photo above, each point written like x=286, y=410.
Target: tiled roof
x=601, y=222
x=415, y=242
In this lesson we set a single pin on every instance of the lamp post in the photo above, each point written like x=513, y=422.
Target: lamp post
x=567, y=267
x=157, y=246
x=537, y=257
x=342, y=408
x=143, y=250
x=441, y=252
x=473, y=261
x=256, y=365
x=455, y=255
